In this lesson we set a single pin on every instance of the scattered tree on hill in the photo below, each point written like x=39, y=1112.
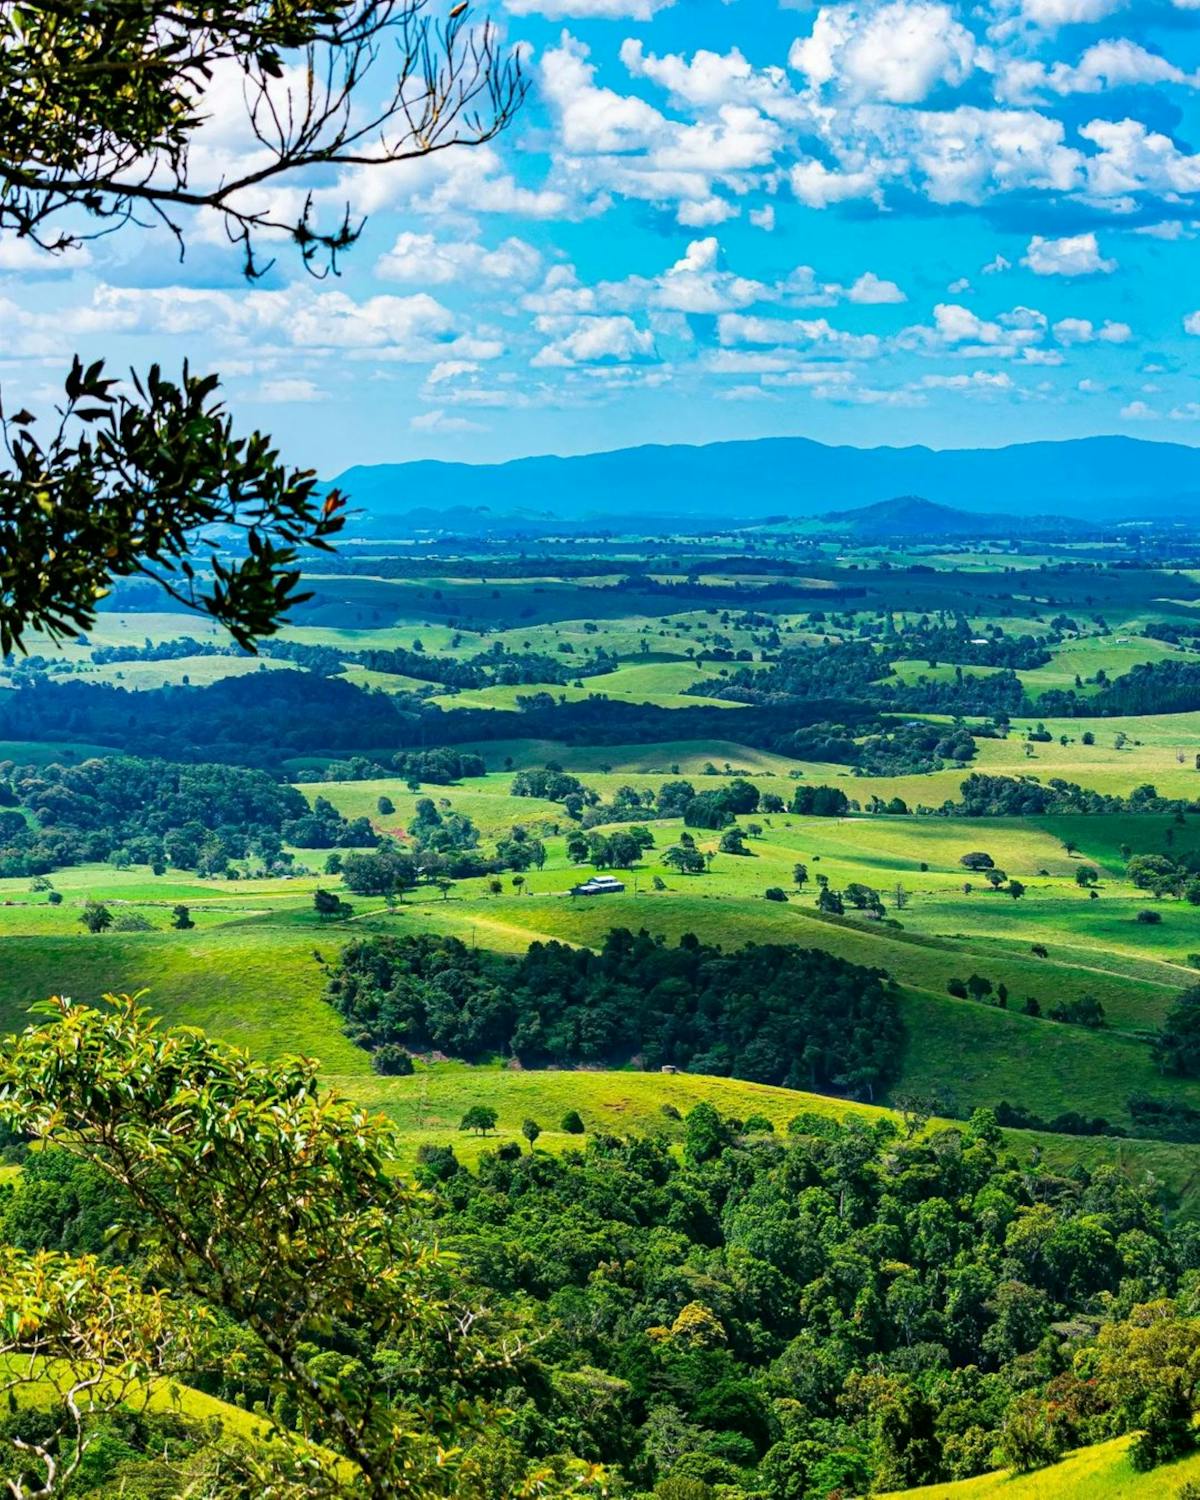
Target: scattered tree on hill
x=830, y=902
x=863, y=897
x=530, y=1129
x=95, y=916
x=1177, y=1046
x=977, y=860
x=688, y=861
x=480, y=1118
x=1155, y=873
x=572, y=1123
x=181, y=918
x=387, y=871
x=1085, y=1011
x=330, y=904
x=392, y=1061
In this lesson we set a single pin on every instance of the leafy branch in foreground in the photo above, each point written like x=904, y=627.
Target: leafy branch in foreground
x=142, y=483
x=265, y=1203
x=101, y=100
x=77, y=1339
x=101, y=104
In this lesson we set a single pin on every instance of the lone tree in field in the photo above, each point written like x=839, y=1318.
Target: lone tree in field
x=977, y=860
x=330, y=904
x=480, y=1118
x=95, y=916
x=101, y=105
x=530, y=1129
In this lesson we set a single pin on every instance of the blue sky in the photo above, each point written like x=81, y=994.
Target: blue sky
x=865, y=223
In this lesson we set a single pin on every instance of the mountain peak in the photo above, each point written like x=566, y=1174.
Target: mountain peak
x=914, y=516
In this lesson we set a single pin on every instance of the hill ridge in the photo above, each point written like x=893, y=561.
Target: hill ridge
x=1095, y=478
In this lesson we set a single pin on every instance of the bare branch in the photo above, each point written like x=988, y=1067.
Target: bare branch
x=101, y=101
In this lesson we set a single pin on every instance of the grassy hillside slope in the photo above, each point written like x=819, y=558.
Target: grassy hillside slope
x=1100, y=1473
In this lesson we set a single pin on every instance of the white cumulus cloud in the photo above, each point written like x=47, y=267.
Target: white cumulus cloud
x=1111, y=64
x=1051, y=14
x=582, y=340
x=899, y=52
x=872, y=290
x=1073, y=255
x=1084, y=331
x=424, y=260
x=589, y=10
x=437, y=421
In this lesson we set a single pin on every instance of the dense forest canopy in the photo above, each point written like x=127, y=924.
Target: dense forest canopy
x=767, y=1012
x=834, y=1309
x=154, y=812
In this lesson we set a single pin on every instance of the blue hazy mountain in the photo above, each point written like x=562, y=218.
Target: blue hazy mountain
x=911, y=516
x=1095, y=479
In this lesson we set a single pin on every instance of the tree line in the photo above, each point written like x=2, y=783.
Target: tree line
x=131, y=810
x=772, y=1013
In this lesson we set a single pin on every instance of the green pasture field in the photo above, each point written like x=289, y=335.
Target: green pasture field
x=253, y=967
x=633, y=636
x=263, y=932
x=131, y=627
x=1151, y=753
x=255, y=983
x=438, y=639
x=974, y=1052
x=668, y=758
x=389, y=682
x=910, y=670
x=1081, y=658
x=1101, y=767
x=365, y=602
x=486, y=800
x=427, y=1108
x=258, y=980
x=1100, y=1473
x=1116, y=654
x=198, y=671
x=663, y=683
x=250, y=960
x=50, y=752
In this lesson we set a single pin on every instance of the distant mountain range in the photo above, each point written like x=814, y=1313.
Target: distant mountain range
x=1094, y=479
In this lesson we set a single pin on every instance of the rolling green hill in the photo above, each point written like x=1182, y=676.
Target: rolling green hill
x=1100, y=1473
